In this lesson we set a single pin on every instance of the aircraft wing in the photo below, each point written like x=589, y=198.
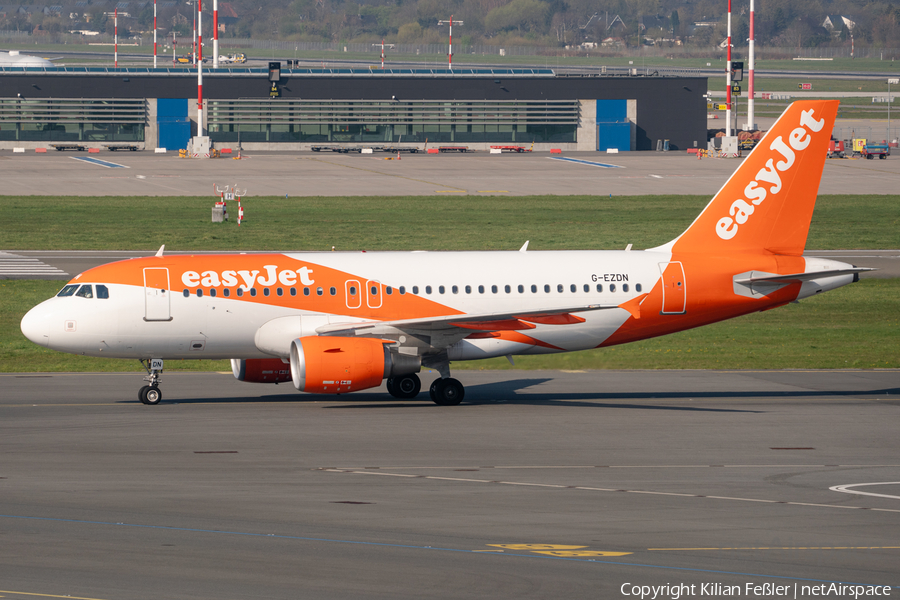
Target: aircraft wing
x=465, y=324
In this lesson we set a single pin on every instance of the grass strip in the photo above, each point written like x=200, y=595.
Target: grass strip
x=856, y=326
x=406, y=223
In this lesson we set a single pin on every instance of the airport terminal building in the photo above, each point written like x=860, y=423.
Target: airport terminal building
x=298, y=108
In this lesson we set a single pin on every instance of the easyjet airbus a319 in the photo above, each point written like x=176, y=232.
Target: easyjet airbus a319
x=337, y=322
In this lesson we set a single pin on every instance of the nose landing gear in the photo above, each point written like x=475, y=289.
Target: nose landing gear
x=151, y=394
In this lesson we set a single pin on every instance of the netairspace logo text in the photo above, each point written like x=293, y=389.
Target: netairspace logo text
x=674, y=591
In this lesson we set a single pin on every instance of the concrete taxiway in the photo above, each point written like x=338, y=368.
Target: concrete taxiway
x=540, y=485
x=326, y=174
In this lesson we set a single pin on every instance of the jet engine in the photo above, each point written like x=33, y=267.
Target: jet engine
x=337, y=365
x=260, y=370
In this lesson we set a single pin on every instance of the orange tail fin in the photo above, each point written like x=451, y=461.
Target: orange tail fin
x=767, y=204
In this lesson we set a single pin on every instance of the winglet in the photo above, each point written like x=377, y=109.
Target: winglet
x=160, y=251
x=524, y=246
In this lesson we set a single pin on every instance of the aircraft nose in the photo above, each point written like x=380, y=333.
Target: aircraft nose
x=36, y=327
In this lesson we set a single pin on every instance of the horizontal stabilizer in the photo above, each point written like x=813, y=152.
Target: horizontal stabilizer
x=799, y=277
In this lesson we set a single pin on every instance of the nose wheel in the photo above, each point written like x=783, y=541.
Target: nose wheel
x=151, y=394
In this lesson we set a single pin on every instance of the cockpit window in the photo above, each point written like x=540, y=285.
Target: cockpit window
x=102, y=292
x=85, y=291
x=68, y=290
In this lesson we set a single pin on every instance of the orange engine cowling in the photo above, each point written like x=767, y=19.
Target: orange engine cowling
x=261, y=370
x=337, y=365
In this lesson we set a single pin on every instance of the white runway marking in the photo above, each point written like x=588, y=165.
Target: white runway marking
x=614, y=490
x=846, y=489
x=21, y=267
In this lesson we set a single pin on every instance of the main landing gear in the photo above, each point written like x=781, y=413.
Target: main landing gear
x=444, y=392
x=405, y=387
x=447, y=392
x=151, y=394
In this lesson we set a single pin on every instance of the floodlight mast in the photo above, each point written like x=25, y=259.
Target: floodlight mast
x=450, y=53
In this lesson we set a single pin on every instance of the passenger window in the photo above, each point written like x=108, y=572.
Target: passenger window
x=352, y=290
x=427, y=289
x=533, y=289
x=333, y=291
x=612, y=287
x=560, y=288
x=187, y=292
x=493, y=289
x=573, y=288
x=319, y=291
x=480, y=289
x=279, y=291
x=468, y=289
x=265, y=291
x=253, y=292
x=624, y=287
x=415, y=289
x=521, y=289
x=199, y=293
x=306, y=291
x=455, y=289
x=599, y=287
x=507, y=289
x=293, y=291
x=85, y=291
x=388, y=290
x=68, y=290
x=547, y=288
x=212, y=292
x=637, y=287
x=402, y=290
x=226, y=292
x=587, y=288
x=240, y=292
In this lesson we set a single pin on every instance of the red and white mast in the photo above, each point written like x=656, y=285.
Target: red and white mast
x=154, y=34
x=200, y=31
x=450, y=52
x=728, y=78
x=382, y=53
x=450, y=49
x=194, y=41
x=116, y=37
x=215, y=34
x=750, y=120
x=200, y=70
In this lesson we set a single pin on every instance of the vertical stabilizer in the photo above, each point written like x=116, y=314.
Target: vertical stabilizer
x=767, y=204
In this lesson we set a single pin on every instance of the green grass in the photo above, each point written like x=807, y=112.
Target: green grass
x=407, y=223
x=857, y=326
